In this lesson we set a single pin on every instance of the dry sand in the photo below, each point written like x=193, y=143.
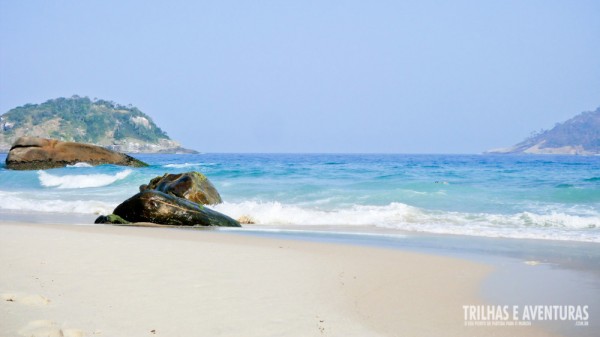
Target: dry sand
x=65, y=280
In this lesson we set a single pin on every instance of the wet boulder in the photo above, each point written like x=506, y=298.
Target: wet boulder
x=31, y=153
x=111, y=219
x=193, y=186
x=165, y=209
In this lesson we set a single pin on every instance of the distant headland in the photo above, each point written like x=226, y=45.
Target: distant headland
x=84, y=120
x=579, y=135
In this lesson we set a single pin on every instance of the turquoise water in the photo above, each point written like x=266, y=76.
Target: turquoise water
x=540, y=197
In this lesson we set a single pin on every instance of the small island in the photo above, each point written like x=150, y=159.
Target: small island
x=579, y=135
x=84, y=120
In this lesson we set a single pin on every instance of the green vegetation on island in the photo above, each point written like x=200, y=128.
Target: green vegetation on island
x=579, y=135
x=83, y=120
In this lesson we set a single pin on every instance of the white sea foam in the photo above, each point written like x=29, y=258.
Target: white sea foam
x=80, y=165
x=275, y=213
x=80, y=180
x=23, y=202
x=558, y=226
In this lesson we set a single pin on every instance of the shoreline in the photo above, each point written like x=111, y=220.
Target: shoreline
x=27, y=216
x=576, y=255
x=526, y=272
x=178, y=282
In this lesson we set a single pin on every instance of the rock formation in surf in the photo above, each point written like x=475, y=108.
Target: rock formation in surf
x=30, y=153
x=193, y=186
x=161, y=208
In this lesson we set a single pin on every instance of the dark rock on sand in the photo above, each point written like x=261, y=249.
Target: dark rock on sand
x=161, y=208
x=30, y=153
x=111, y=219
x=193, y=186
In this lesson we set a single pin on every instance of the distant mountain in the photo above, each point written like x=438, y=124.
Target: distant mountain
x=80, y=119
x=579, y=135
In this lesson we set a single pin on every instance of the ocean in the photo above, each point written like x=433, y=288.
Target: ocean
x=532, y=197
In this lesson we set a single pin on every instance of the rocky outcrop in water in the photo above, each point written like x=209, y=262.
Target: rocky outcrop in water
x=193, y=186
x=30, y=153
x=161, y=208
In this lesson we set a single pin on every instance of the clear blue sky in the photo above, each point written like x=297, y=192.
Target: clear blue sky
x=313, y=76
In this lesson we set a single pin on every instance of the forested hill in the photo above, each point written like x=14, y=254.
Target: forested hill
x=81, y=119
x=578, y=135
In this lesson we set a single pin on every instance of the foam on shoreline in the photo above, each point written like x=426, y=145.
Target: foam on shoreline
x=553, y=226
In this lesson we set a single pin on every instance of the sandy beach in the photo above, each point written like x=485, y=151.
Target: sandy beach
x=66, y=280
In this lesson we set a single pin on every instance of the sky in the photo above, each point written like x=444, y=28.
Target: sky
x=313, y=76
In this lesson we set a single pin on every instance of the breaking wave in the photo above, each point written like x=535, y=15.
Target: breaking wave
x=80, y=165
x=19, y=202
x=80, y=180
x=557, y=226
